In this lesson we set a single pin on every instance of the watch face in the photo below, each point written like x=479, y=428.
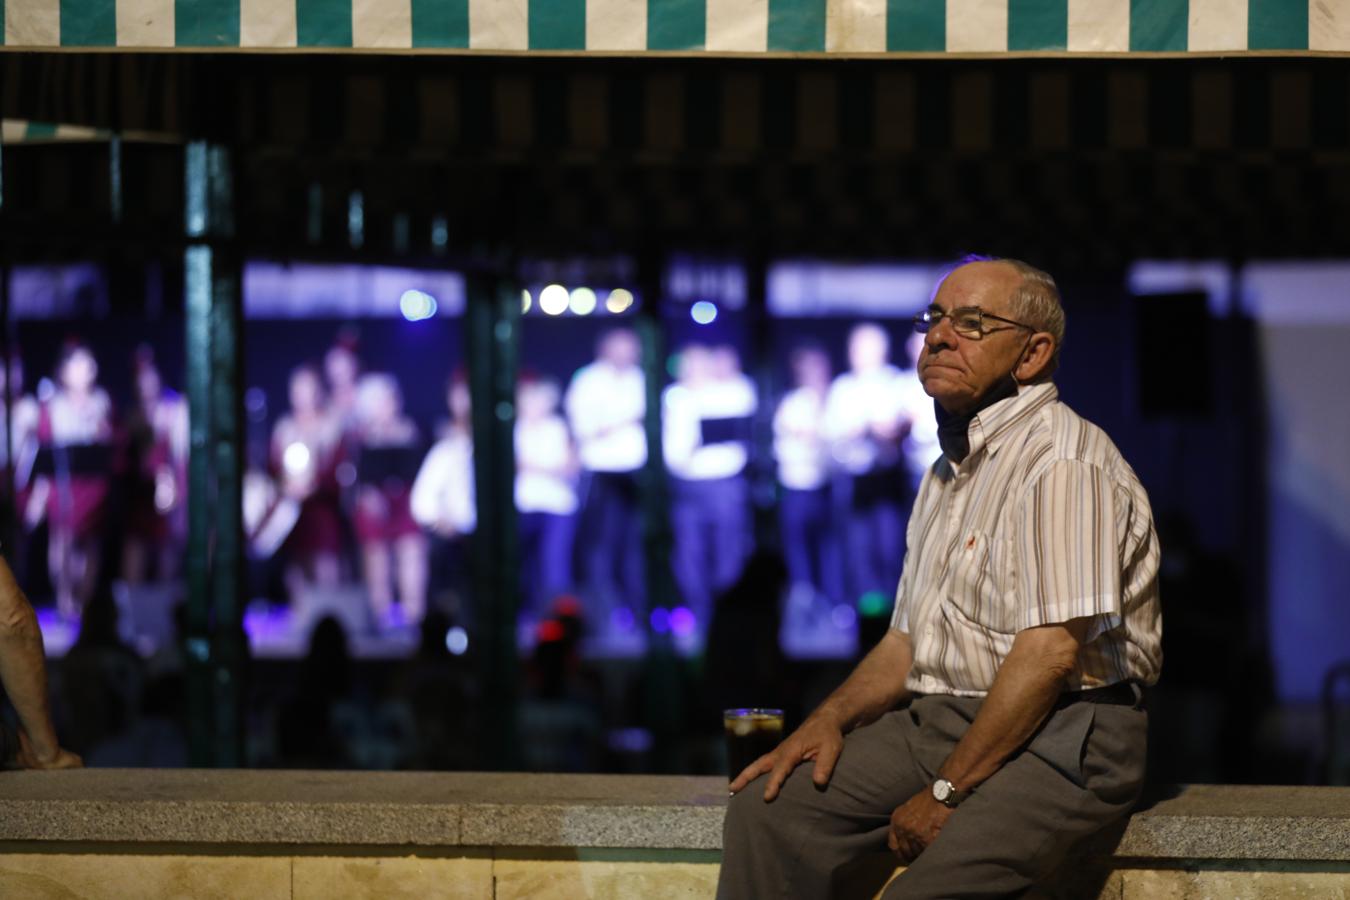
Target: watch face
x=942, y=789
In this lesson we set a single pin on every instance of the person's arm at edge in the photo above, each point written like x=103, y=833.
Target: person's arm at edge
x=23, y=671
x=875, y=686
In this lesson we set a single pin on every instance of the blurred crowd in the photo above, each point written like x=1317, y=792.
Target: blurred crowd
x=69, y=460
x=345, y=491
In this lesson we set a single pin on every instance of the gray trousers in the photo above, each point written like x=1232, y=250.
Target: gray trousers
x=1079, y=774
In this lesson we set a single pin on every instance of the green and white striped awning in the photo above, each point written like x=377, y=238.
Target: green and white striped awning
x=20, y=131
x=687, y=26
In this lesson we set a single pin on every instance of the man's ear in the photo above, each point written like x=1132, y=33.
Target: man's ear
x=1035, y=361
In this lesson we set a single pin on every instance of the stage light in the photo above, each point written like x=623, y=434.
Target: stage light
x=682, y=621
x=295, y=458
x=553, y=299
x=873, y=604
x=457, y=641
x=582, y=301
x=619, y=301
x=526, y=301
x=703, y=312
x=417, y=305
x=660, y=619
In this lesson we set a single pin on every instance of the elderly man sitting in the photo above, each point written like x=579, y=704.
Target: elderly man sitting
x=1000, y=720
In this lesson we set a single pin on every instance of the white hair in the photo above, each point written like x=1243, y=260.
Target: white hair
x=1035, y=301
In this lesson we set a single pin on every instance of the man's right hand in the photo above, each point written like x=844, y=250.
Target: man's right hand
x=29, y=758
x=819, y=739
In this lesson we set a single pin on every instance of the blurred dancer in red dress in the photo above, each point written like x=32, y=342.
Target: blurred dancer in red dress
x=156, y=447
x=306, y=450
x=75, y=426
x=390, y=452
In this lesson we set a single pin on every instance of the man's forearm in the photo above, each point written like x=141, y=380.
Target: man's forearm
x=23, y=666
x=874, y=687
x=1024, y=692
x=24, y=674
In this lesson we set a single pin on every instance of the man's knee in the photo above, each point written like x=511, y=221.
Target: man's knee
x=746, y=810
x=747, y=813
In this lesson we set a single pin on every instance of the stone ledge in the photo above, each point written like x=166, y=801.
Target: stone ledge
x=482, y=810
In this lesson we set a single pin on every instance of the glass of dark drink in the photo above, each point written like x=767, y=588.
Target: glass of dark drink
x=750, y=734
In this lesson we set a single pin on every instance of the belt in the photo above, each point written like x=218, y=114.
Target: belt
x=1122, y=693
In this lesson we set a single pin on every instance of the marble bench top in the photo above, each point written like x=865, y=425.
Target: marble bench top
x=447, y=810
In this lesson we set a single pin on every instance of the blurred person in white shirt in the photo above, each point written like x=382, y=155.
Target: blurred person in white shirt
x=706, y=440
x=18, y=459
x=606, y=404
x=921, y=442
x=443, y=502
x=810, y=546
x=866, y=424
x=546, y=494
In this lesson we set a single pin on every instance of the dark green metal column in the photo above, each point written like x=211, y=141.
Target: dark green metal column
x=657, y=538
x=663, y=678
x=9, y=526
x=215, y=638
x=492, y=332
x=764, y=491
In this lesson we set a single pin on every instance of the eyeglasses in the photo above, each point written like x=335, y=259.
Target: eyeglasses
x=967, y=321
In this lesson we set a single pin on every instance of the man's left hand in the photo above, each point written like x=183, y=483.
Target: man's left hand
x=915, y=825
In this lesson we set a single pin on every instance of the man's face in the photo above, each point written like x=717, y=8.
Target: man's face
x=957, y=371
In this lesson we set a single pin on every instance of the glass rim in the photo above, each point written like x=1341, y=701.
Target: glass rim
x=746, y=711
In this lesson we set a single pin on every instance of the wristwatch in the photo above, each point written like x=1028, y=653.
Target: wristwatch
x=946, y=793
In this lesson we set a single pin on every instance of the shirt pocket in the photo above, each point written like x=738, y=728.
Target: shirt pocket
x=979, y=585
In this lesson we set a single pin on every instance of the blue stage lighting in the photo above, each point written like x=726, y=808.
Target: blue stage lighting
x=417, y=305
x=703, y=312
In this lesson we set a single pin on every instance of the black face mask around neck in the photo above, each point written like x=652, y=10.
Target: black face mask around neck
x=954, y=428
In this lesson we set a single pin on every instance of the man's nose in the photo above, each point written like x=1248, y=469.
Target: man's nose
x=941, y=334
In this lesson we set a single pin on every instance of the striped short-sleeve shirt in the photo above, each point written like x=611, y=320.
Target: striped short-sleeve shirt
x=1043, y=522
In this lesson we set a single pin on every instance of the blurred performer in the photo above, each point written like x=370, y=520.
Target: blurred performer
x=390, y=451
x=75, y=427
x=306, y=450
x=443, y=502
x=605, y=404
x=342, y=372
x=803, y=455
x=18, y=457
x=156, y=445
x=546, y=494
x=707, y=439
x=866, y=425
x=921, y=443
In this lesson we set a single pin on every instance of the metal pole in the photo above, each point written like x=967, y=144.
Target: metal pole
x=656, y=532
x=9, y=529
x=764, y=478
x=492, y=331
x=663, y=696
x=214, y=558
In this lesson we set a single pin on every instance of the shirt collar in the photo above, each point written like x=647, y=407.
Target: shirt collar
x=991, y=425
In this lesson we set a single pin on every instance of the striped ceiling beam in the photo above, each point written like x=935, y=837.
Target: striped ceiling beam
x=847, y=27
x=20, y=131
